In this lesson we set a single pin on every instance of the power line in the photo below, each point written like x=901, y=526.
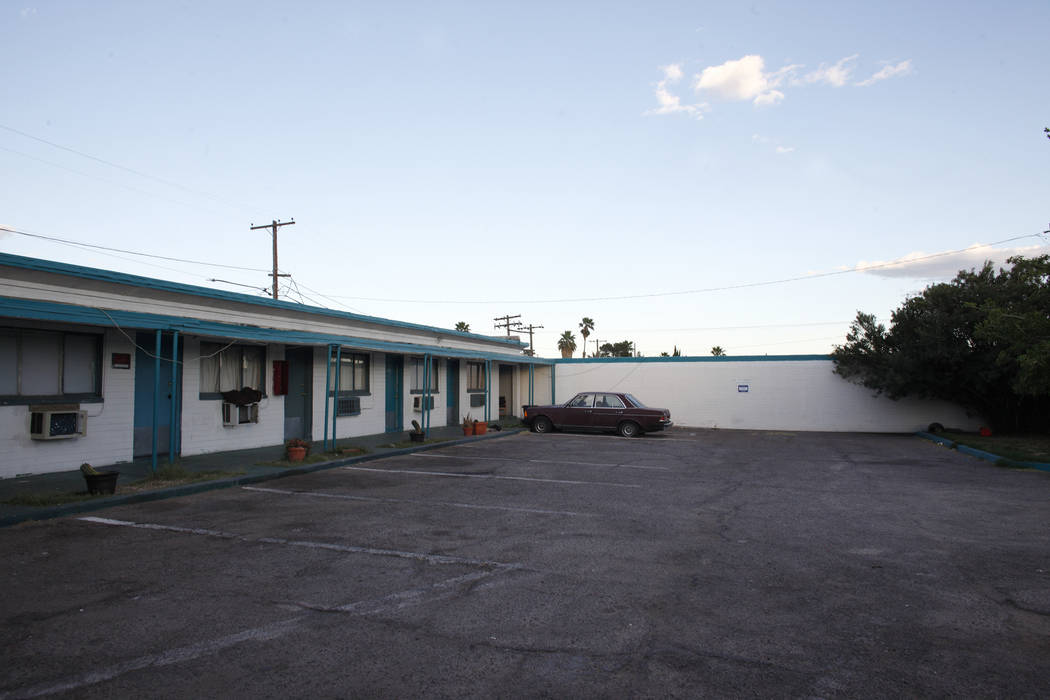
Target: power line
x=139, y=173
x=128, y=252
x=745, y=285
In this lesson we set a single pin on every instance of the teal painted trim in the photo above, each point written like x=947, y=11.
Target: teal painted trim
x=981, y=454
x=554, y=370
x=80, y=271
x=69, y=313
x=737, y=358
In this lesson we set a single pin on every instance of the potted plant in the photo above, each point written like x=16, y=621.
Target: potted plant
x=468, y=424
x=480, y=427
x=416, y=434
x=99, y=482
x=297, y=449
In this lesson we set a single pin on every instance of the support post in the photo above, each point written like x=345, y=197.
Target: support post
x=327, y=389
x=174, y=426
x=426, y=396
x=156, y=400
x=335, y=396
x=488, y=390
x=532, y=372
x=554, y=368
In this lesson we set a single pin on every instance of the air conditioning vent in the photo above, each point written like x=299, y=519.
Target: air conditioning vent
x=57, y=425
x=417, y=403
x=234, y=415
x=348, y=406
x=477, y=400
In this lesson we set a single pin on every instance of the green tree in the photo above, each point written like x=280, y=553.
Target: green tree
x=567, y=344
x=586, y=326
x=622, y=349
x=463, y=326
x=981, y=341
x=717, y=351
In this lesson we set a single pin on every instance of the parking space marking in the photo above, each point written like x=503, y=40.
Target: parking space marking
x=473, y=506
x=347, y=549
x=494, y=476
x=392, y=602
x=543, y=461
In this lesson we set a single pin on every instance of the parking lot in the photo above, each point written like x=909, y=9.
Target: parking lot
x=692, y=563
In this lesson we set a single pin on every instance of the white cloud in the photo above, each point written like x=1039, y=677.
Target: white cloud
x=670, y=103
x=836, y=75
x=944, y=266
x=888, y=71
x=785, y=149
x=742, y=79
x=27, y=12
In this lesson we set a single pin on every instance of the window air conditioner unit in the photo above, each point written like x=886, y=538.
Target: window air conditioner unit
x=477, y=400
x=348, y=406
x=234, y=415
x=417, y=403
x=57, y=425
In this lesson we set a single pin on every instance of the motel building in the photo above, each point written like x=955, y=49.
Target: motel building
x=104, y=367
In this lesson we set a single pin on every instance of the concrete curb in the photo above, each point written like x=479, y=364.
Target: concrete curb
x=48, y=512
x=981, y=454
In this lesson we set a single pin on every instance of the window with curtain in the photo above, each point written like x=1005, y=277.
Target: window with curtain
x=417, y=376
x=475, y=376
x=41, y=365
x=353, y=374
x=229, y=368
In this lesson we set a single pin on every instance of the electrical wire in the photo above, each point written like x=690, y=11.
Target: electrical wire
x=745, y=285
x=130, y=252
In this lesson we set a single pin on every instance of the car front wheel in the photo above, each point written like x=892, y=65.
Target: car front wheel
x=542, y=425
x=630, y=429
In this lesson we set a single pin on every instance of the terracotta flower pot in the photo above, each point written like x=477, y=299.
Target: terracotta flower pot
x=481, y=427
x=468, y=429
x=296, y=454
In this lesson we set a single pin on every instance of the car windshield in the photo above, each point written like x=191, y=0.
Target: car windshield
x=634, y=400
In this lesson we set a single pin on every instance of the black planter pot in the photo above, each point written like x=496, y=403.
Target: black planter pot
x=103, y=482
x=416, y=437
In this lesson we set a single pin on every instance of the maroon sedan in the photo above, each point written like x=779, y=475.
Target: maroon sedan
x=599, y=411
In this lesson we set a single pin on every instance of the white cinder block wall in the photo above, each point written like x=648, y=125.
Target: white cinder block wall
x=794, y=394
x=109, y=425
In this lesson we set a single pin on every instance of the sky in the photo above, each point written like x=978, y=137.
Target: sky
x=686, y=174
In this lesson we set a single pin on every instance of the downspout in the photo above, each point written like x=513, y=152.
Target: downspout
x=532, y=368
x=156, y=401
x=553, y=367
x=327, y=387
x=174, y=429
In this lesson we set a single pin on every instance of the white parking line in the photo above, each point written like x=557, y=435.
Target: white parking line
x=348, y=549
x=542, y=461
x=493, y=476
x=473, y=506
x=392, y=602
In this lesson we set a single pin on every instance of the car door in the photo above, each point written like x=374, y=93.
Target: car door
x=607, y=412
x=577, y=412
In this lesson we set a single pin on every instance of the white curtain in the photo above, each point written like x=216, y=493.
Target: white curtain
x=253, y=366
x=209, y=368
x=80, y=365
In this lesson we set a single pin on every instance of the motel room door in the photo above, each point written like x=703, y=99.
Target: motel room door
x=145, y=372
x=298, y=413
x=395, y=380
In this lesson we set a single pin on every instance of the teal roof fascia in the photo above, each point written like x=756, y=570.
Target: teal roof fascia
x=723, y=358
x=41, y=265
x=132, y=320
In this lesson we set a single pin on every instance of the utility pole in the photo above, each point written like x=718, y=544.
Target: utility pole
x=506, y=322
x=596, y=341
x=530, y=328
x=275, y=225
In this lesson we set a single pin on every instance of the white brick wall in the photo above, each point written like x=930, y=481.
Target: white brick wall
x=109, y=426
x=781, y=395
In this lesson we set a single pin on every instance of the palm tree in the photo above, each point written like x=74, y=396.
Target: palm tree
x=717, y=351
x=567, y=344
x=586, y=326
x=463, y=326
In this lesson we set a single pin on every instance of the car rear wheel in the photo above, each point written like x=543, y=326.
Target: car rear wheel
x=542, y=425
x=630, y=429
